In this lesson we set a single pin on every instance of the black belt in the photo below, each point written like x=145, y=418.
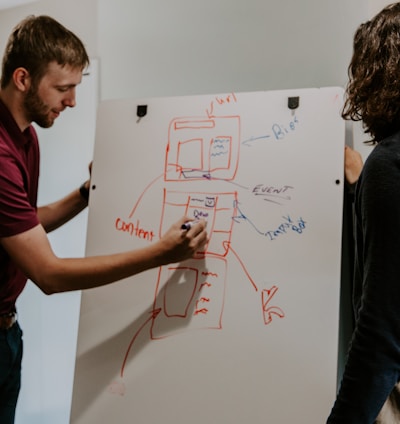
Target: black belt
x=8, y=320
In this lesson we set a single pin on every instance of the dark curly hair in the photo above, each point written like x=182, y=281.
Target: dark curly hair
x=373, y=90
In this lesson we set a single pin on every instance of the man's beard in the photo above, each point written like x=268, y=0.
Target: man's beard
x=36, y=110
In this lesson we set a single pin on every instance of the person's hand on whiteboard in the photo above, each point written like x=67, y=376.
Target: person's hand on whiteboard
x=84, y=189
x=183, y=239
x=353, y=165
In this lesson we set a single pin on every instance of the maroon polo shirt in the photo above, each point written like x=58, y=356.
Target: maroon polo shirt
x=19, y=175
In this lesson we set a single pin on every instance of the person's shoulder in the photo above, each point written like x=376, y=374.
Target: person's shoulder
x=385, y=154
x=381, y=171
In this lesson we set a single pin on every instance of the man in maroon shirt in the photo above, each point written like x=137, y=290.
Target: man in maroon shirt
x=42, y=65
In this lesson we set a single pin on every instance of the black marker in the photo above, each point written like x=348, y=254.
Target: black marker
x=188, y=225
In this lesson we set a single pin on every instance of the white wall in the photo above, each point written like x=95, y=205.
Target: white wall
x=78, y=15
x=376, y=5
x=181, y=47
x=166, y=48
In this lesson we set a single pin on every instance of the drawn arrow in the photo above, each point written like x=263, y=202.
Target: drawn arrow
x=152, y=316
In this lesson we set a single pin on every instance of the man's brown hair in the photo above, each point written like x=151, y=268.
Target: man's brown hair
x=35, y=43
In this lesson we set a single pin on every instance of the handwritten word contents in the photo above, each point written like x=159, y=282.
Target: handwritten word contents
x=134, y=229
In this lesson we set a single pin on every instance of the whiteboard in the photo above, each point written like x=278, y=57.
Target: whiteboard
x=247, y=330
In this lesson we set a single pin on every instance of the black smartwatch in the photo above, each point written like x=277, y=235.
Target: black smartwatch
x=84, y=192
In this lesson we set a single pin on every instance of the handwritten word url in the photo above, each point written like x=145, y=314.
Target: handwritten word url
x=230, y=98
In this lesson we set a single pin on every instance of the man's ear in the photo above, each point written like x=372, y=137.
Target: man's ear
x=22, y=79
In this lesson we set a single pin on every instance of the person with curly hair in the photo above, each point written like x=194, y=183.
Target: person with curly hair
x=369, y=390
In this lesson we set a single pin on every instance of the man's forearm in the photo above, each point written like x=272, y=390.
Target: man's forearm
x=55, y=214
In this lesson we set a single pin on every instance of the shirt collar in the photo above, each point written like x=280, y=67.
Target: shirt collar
x=7, y=120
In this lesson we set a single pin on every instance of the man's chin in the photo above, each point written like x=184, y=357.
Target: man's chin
x=45, y=123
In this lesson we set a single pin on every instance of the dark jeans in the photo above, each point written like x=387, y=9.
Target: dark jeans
x=10, y=372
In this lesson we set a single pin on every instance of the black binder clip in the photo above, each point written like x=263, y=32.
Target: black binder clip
x=293, y=102
x=140, y=112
